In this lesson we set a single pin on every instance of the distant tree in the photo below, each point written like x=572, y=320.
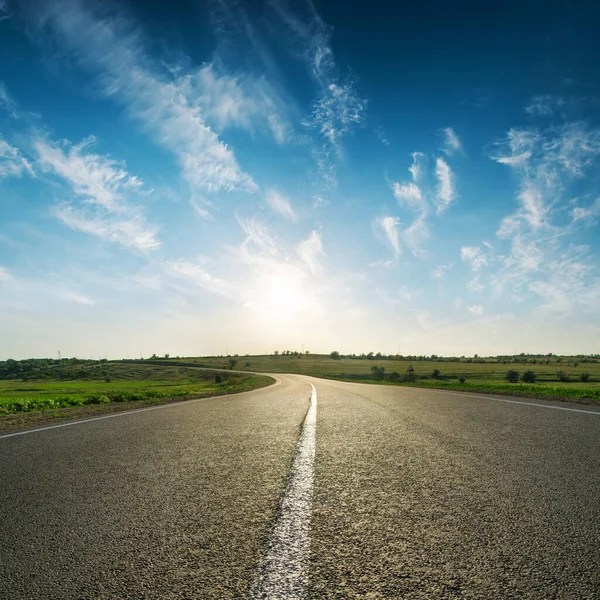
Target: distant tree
x=584, y=377
x=276, y=353
x=107, y=379
x=370, y=356
x=247, y=364
x=462, y=379
x=512, y=376
x=153, y=357
x=218, y=378
x=166, y=356
x=435, y=373
x=232, y=362
x=528, y=377
x=335, y=355
x=377, y=372
x=562, y=376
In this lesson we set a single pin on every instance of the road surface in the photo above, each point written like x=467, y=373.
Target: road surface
x=408, y=493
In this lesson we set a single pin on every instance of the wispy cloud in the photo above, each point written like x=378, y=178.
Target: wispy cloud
x=445, y=190
x=441, y=271
x=200, y=209
x=587, y=214
x=311, y=251
x=103, y=188
x=474, y=257
x=476, y=310
x=408, y=193
x=132, y=232
x=12, y=162
x=338, y=107
x=416, y=234
x=111, y=46
x=197, y=273
x=452, y=143
x=280, y=204
x=97, y=179
x=78, y=298
x=389, y=227
x=240, y=100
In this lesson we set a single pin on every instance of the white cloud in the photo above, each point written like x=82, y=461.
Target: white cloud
x=78, y=298
x=202, y=212
x=131, y=232
x=199, y=275
x=475, y=285
x=545, y=105
x=337, y=111
x=239, y=100
x=338, y=108
x=280, y=204
x=258, y=244
x=474, y=257
x=587, y=215
x=476, y=310
x=516, y=160
x=310, y=251
x=105, y=190
x=416, y=169
x=110, y=46
x=416, y=234
x=409, y=193
x=441, y=270
x=98, y=179
x=389, y=226
x=452, y=143
x=12, y=162
x=445, y=190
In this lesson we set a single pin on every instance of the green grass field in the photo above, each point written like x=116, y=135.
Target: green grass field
x=118, y=383
x=485, y=376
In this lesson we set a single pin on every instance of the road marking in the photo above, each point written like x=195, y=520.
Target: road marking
x=132, y=412
x=283, y=571
x=467, y=395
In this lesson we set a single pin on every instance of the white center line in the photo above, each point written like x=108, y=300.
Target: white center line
x=283, y=572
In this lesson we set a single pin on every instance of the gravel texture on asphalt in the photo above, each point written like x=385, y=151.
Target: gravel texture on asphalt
x=422, y=494
x=169, y=503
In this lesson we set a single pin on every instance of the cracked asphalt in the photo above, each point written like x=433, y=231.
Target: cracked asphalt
x=417, y=494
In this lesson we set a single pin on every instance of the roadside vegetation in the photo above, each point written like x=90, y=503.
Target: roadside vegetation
x=47, y=384
x=575, y=378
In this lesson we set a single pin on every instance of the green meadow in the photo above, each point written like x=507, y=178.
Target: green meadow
x=46, y=384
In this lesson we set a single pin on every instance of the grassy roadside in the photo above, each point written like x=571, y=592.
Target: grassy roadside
x=122, y=387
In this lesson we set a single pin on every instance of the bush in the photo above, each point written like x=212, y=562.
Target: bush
x=394, y=376
x=584, y=377
x=377, y=373
x=462, y=379
x=335, y=355
x=436, y=373
x=218, y=378
x=562, y=376
x=529, y=377
x=512, y=376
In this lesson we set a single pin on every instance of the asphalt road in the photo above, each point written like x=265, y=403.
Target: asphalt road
x=416, y=494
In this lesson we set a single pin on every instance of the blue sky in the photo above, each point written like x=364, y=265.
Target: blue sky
x=218, y=176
